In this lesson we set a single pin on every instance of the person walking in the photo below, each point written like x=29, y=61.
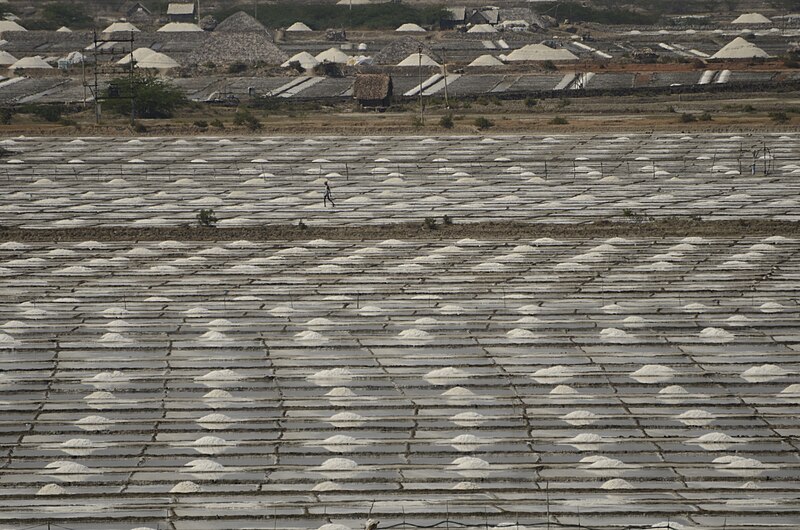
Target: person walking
x=327, y=197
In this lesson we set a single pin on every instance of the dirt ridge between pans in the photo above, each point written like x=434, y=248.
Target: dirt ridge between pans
x=486, y=230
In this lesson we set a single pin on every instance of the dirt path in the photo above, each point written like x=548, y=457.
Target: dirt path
x=494, y=231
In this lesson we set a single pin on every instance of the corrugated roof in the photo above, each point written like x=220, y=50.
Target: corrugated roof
x=180, y=9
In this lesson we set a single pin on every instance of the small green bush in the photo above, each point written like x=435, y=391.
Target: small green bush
x=531, y=102
x=447, y=220
x=416, y=122
x=244, y=117
x=237, y=67
x=206, y=217
x=559, y=120
x=483, y=123
x=779, y=116
x=446, y=121
x=217, y=123
x=429, y=223
x=201, y=124
x=688, y=118
x=5, y=115
x=706, y=116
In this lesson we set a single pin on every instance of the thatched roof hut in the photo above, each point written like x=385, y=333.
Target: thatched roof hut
x=373, y=90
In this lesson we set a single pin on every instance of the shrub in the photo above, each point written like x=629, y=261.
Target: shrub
x=237, y=67
x=779, y=116
x=416, y=122
x=446, y=121
x=429, y=223
x=549, y=65
x=531, y=102
x=483, y=123
x=140, y=127
x=687, y=118
x=5, y=115
x=244, y=117
x=706, y=116
x=559, y=120
x=206, y=217
x=153, y=97
x=216, y=122
x=201, y=124
x=447, y=220
x=564, y=102
x=301, y=225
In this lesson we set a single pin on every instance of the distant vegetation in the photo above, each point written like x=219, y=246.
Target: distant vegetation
x=320, y=16
x=57, y=14
x=154, y=97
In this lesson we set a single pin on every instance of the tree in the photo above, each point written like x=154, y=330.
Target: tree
x=153, y=97
x=55, y=15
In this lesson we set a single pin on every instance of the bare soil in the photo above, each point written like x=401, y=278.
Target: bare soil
x=673, y=227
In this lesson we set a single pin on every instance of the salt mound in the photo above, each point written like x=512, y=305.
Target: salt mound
x=444, y=376
x=340, y=393
x=716, y=335
x=519, y=333
x=203, y=465
x=326, y=486
x=602, y=462
x=310, y=336
x=580, y=417
x=792, y=390
x=467, y=442
x=211, y=445
x=634, y=322
x=67, y=468
x=451, y=309
x=713, y=441
x=771, y=307
x=763, y=373
x=94, y=423
x=563, y=390
x=113, y=338
x=553, y=374
x=346, y=419
x=738, y=320
x=695, y=307
x=470, y=462
x=617, y=484
x=338, y=464
x=586, y=437
x=696, y=417
x=331, y=376
x=614, y=334
x=370, y=310
x=653, y=373
x=213, y=336
x=414, y=334
x=339, y=443
x=465, y=486
x=78, y=447
x=334, y=526
x=468, y=419
x=186, y=486
x=51, y=489
x=7, y=341
x=216, y=421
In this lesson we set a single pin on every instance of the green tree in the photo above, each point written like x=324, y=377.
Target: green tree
x=57, y=14
x=153, y=97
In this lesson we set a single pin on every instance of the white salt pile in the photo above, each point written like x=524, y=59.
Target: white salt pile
x=78, y=447
x=617, y=484
x=653, y=373
x=211, y=445
x=771, y=307
x=586, y=441
x=310, y=336
x=216, y=421
x=714, y=441
x=216, y=376
x=738, y=320
x=114, y=339
x=326, y=486
x=414, y=334
x=602, y=462
x=763, y=373
x=451, y=309
x=716, y=335
x=634, y=322
x=696, y=417
x=445, y=376
x=469, y=419
x=614, y=334
x=346, y=419
x=470, y=466
x=51, y=489
x=339, y=443
x=553, y=374
x=465, y=486
x=467, y=442
x=7, y=341
x=94, y=423
x=331, y=377
x=580, y=417
x=340, y=393
x=214, y=336
x=338, y=464
x=520, y=334
x=186, y=486
x=563, y=390
x=63, y=467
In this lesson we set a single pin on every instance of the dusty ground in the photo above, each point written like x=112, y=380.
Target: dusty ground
x=728, y=112
x=677, y=227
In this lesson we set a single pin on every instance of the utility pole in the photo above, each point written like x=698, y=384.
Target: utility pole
x=444, y=62
x=419, y=77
